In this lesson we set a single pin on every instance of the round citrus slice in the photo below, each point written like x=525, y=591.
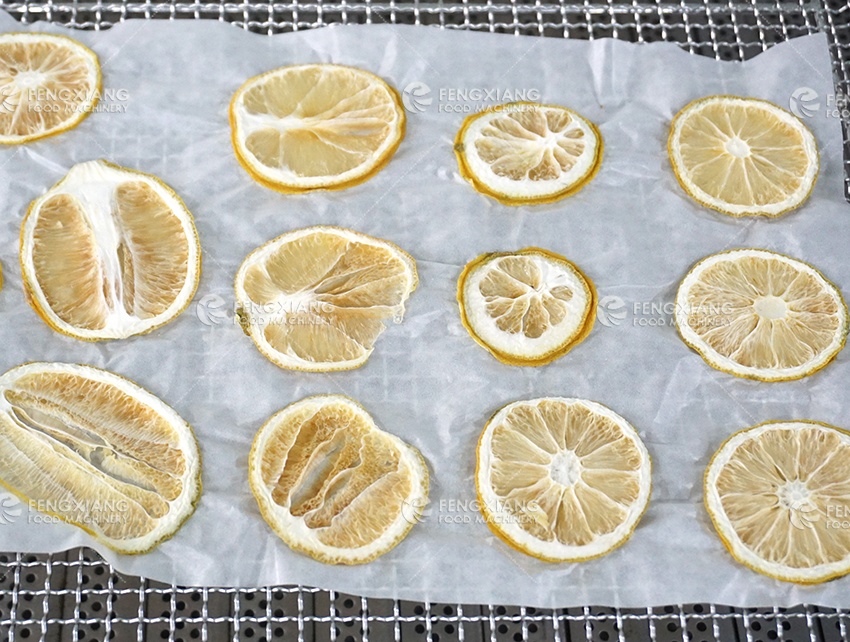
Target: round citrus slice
x=97, y=451
x=315, y=126
x=779, y=497
x=109, y=253
x=761, y=315
x=48, y=85
x=526, y=153
x=743, y=156
x=562, y=480
x=332, y=484
x=528, y=307
x=316, y=299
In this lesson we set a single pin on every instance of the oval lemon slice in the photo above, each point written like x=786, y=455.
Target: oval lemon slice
x=318, y=298
x=332, y=484
x=779, y=497
x=743, y=156
x=528, y=307
x=761, y=315
x=48, y=85
x=109, y=253
x=562, y=480
x=315, y=126
x=526, y=153
x=99, y=452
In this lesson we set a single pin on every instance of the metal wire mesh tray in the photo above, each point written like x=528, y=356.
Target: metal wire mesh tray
x=77, y=596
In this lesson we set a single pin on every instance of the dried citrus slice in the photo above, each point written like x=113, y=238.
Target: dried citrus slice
x=316, y=299
x=109, y=253
x=332, y=484
x=528, y=307
x=316, y=126
x=525, y=153
x=761, y=315
x=743, y=156
x=779, y=496
x=99, y=452
x=562, y=480
x=48, y=85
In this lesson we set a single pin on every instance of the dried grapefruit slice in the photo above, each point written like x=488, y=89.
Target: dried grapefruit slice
x=99, y=452
x=332, y=484
x=109, y=253
x=528, y=307
x=761, y=315
x=779, y=496
x=316, y=299
x=525, y=153
x=315, y=126
x=48, y=85
x=743, y=156
x=562, y=480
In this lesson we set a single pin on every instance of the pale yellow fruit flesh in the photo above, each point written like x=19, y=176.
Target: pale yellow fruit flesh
x=514, y=299
x=336, y=472
x=334, y=121
x=743, y=155
x=773, y=482
x=152, y=257
x=333, y=295
x=82, y=447
x=576, y=466
x=763, y=312
x=515, y=145
x=47, y=75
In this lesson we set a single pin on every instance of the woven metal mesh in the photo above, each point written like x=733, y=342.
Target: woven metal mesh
x=76, y=596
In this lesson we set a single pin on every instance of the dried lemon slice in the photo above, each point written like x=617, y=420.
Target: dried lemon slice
x=332, y=484
x=779, y=496
x=48, y=85
x=316, y=299
x=743, y=156
x=525, y=153
x=562, y=480
x=528, y=307
x=99, y=452
x=316, y=126
x=109, y=253
x=761, y=315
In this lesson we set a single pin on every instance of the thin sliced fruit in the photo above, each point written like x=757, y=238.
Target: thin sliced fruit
x=109, y=253
x=316, y=126
x=761, y=315
x=332, y=484
x=743, y=156
x=99, y=452
x=48, y=85
x=316, y=299
x=779, y=496
x=526, y=153
x=528, y=307
x=562, y=480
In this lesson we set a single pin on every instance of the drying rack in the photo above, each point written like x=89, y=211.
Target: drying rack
x=77, y=597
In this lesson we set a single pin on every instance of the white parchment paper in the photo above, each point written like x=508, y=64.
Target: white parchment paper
x=632, y=230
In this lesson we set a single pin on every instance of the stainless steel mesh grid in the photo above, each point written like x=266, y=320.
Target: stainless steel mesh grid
x=76, y=596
